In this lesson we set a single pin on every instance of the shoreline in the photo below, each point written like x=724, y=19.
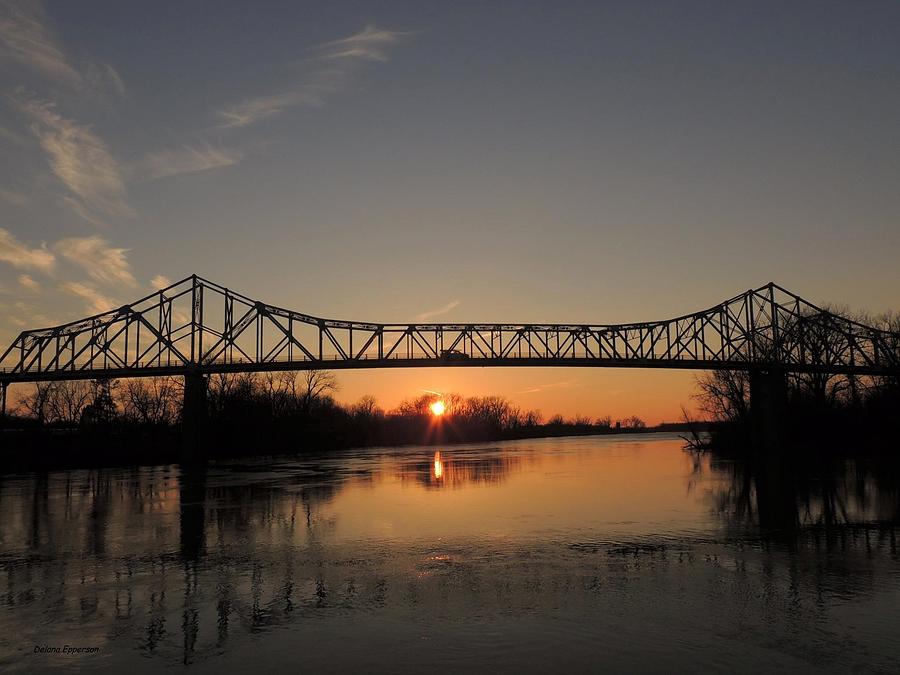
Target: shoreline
x=66, y=451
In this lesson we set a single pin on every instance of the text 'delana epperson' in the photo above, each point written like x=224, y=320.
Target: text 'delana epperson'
x=65, y=649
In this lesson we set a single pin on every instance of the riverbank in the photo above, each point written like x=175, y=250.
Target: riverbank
x=38, y=448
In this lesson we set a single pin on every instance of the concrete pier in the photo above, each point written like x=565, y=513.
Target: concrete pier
x=193, y=417
x=768, y=405
x=3, y=388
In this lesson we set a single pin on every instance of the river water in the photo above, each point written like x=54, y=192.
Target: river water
x=550, y=555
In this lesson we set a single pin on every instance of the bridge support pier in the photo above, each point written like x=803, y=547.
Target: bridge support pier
x=193, y=417
x=768, y=405
x=3, y=387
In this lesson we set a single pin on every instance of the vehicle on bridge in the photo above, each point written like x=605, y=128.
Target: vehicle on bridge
x=195, y=327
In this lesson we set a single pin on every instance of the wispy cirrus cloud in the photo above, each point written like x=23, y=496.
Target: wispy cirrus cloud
x=95, y=301
x=439, y=311
x=549, y=385
x=186, y=159
x=21, y=256
x=159, y=282
x=255, y=109
x=82, y=211
x=106, y=265
x=330, y=69
x=103, y=77
x=102, y=261
x=79, y=159
x=28, y=282
x=370, y=44
x=21, y=315
x=28, y=39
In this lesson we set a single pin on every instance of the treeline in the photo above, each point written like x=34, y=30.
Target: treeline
x=822, y=411
x=272, y=413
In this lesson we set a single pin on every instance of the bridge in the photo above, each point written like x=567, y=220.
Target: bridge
x=195, y=328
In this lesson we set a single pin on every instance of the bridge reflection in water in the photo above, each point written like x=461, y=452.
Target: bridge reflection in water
x=459, y=551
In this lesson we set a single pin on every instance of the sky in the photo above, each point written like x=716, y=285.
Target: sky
x=585, y=162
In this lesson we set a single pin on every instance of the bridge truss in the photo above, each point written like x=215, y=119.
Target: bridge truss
x=199, y=327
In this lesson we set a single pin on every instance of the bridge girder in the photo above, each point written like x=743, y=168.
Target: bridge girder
x=196, y=326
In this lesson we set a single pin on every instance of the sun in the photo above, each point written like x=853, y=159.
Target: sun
x=438, y=408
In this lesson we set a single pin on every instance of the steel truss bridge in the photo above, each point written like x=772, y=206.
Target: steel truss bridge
x=196, y=327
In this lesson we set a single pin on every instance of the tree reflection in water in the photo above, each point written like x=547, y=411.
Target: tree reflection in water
x=191, y=565
x=460, y=468
x=787, y=493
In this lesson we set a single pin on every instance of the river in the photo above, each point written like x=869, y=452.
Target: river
x=605, y=553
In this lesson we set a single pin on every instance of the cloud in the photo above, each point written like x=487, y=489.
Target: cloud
x=27, y=37
x=29, y=41
x=439, y=311
x=96, y=302
x=14, y=197
x=332, y=66
x=159, y=282
x=22, y=315
x=550, y=385
x=79, y=158
x=19, y=255
x=102, y=261
x=103, y=77
x=28, y=282
x=85, y=213
x=256, y=109
x=186, y=159
x=370, y=44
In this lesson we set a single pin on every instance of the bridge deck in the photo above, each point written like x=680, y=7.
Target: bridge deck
x=198, y=326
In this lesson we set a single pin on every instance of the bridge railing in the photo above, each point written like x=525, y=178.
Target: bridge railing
x=326, y=358
x=195, y=324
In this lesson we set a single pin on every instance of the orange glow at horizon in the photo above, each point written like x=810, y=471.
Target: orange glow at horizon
x=438, y=408
x=653, y=395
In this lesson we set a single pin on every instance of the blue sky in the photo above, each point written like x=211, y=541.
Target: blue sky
x=567, y=161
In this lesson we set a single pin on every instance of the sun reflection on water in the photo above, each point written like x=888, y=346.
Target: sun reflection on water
x=438, y=465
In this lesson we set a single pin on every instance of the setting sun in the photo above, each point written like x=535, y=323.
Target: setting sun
x=438, y=408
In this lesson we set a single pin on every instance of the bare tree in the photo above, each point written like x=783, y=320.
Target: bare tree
x=102, y=407
x=493, y=409
x=890, y=322
x=280, y=390
x=67, y=401
x=724, y=395
x=152, y=400
x=223, y=388
x=532, y=418
x=36, y=404
x=367, y=407
x=317, y=384
x=822, y=335
x=634, y=422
